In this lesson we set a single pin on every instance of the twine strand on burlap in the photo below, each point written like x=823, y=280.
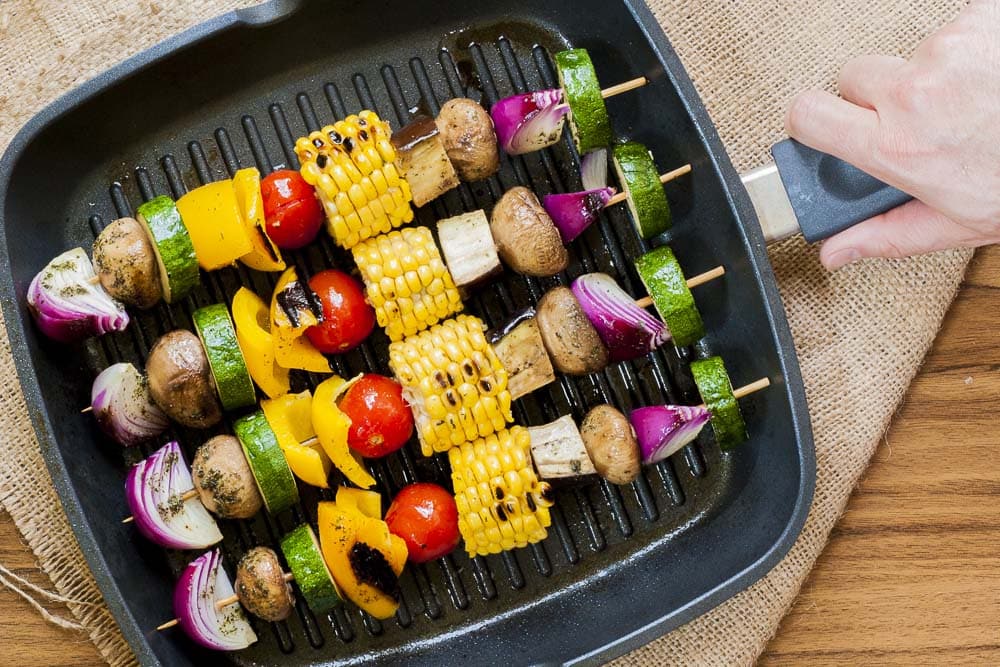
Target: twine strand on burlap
x=24, y=588
x=860, y=333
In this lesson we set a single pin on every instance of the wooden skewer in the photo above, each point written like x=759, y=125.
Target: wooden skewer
x=700, y=279
x=220, y=605
x=93, y=280
x=193, y=493
x=748, y=389
x=87, y=409
x=665, y=178
x=624, y=87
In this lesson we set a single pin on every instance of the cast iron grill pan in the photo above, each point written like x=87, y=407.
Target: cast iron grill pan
x=210, y=110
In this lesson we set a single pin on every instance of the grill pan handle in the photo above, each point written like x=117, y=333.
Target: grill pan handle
x=827, y=194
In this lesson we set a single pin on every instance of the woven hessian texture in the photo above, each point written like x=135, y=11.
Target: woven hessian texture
x=860, y=333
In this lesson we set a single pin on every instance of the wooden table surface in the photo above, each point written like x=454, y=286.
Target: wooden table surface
x=912, y=571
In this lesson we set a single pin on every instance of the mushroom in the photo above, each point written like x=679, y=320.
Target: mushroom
x=572, y=341
x=223, y=479
x=610, y=441
x=467, y=132
x=526, y=237
x=261, y=585
x=180, y=380
x=126, y=264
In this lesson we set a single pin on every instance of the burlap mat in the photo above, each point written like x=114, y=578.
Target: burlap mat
x=860, y=333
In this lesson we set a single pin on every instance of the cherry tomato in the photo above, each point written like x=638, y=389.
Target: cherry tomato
x=347, y=317
x=291, y=209
x=381, y=421
x=426, y=517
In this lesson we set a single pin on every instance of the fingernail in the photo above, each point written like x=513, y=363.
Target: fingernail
x=842, y=258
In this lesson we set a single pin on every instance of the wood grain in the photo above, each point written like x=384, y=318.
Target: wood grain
x=912, y=571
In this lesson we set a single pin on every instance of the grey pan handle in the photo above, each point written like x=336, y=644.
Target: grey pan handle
x=827, y=194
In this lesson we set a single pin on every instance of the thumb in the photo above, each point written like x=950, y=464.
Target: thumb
x=911, y=229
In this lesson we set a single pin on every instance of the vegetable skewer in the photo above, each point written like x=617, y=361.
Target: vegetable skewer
x=219, y=604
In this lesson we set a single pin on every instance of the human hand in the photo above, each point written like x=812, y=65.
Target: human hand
x=929, y=126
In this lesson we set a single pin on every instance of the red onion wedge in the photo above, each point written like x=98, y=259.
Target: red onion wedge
x=594, y=169
x=627, y=330
x=202, y=585
x=69, y=304
x=153, y=489
x=529, y=122
x=573, y=212
x=123, y=406
x=663, y=430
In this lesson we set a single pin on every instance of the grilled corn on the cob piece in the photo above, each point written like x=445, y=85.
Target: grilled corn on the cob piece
x=352, y=166
x=454, y=383
x=406, y=281
x=501, y=503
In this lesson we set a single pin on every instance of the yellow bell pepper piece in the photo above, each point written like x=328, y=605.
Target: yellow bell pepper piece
x=265, y=256
x=368, y=503
x=332, y=425
x=253, y=333
x=340, y=530
x=213, y=219
x=291, y=348
x=290, y=417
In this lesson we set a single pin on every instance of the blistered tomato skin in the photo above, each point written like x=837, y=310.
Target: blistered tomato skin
x=347, y=317
x=426, y=517
x=291, y=209
x=381, y=421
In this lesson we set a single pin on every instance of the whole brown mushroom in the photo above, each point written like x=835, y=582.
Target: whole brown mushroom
x=180, y=380
x=467, y=132
x=526, y=237
x=610, y=441
x=126, y=264
x=571, y=340
x=223, y=479
x=261, y=585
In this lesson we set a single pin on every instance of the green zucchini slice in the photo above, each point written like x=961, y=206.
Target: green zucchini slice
x=172, y=245
x=267, y=462
x=588, y=115
x=713, y=382
x=229, y=368
x=667, y=287
x=313, y=577
x=640, y=180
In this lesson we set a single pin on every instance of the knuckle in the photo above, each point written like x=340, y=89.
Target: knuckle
x=801, y=113
x=913, y=93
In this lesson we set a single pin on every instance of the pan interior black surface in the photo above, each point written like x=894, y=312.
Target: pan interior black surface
x=621, y=564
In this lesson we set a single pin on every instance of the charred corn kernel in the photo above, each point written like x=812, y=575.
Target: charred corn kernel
x=351, y=165
x=394, y=292
x=443, y=384
x=494, y=497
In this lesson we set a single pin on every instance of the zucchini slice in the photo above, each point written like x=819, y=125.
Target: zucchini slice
x=229, y=368
x=640, y=180
x=172, y=246
x=589, y=122
x=716, y=390
x=666, y=285
x=305, y=560
x=267, y=462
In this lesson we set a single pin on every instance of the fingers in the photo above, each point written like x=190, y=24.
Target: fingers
x=911, y=229
x=835, y=126
x=865, y=80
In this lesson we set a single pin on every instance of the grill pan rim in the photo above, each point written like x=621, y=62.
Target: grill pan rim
x=274, y=11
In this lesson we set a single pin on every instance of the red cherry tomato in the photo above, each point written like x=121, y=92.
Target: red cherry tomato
x=347, y=317
x=426, y=517
x=381, y=421
x=291, y=209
